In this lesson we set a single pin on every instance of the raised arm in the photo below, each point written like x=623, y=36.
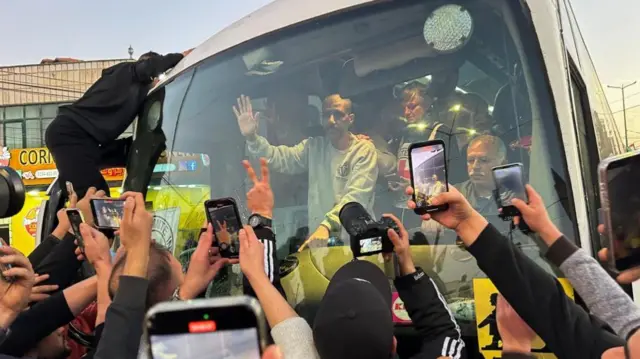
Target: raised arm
x=148, y=68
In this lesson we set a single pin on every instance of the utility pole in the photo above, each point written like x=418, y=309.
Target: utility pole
x=624, y=111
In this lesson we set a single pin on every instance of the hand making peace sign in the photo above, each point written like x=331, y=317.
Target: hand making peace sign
x=260, y=197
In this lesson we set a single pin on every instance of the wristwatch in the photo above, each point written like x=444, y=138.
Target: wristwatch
x=256, y=220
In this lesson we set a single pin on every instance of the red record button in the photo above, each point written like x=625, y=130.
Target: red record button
x=202, y=326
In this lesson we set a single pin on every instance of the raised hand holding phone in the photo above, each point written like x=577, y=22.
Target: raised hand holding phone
x=15, y=283
x=135, y=234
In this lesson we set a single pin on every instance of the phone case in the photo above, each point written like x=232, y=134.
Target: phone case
x=508, y=210
x=213, y=203
x=248, y=302
x=603, y=180
x=95, y=214
x=429, y=209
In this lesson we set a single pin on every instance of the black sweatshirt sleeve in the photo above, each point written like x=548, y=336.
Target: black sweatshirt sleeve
x=124, y=320
x=431, y=316
x=43, y=250
x=61, y=264
x=97, y=334
x=147, y=69
x=517, y=356
x=271, y=263
x=35, y=324
x=539, y=299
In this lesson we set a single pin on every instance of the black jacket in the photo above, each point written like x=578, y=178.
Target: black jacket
x=111, y=104
x=431, y=316
x=567, y=329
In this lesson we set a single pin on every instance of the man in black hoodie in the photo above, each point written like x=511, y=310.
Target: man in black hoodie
x=83, y=137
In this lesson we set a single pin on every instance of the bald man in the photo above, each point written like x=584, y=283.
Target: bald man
x=341, y=167
x=484, y=153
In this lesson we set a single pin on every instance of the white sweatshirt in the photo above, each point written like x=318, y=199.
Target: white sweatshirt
x=335, y=177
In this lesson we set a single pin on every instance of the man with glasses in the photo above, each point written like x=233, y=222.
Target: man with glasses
x=341, y=167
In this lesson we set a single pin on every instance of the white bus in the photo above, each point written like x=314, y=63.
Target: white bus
x=515, y=72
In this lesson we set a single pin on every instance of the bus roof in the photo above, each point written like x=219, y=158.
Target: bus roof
x=274, y=16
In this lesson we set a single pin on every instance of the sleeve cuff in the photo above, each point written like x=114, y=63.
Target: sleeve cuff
x=327, y=223
x=265, y=234
x=560, y=250
x=407, y=281
x=132, y=292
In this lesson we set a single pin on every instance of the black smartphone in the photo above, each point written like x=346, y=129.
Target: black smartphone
x=107, y=212
x=620, y=198
x=509, y=180
x=428, y=174
x=224, y=216
x=75, y=218
x=226, y=327
x=70, y=189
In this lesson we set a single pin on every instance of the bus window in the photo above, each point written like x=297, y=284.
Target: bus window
x=379, y=78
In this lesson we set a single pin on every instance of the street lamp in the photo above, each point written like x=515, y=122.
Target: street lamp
x=130, y=52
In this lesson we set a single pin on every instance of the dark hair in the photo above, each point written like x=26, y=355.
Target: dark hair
x=158, y=274
x=148, y=55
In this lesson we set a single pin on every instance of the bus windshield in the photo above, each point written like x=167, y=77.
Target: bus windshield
x=337, y=102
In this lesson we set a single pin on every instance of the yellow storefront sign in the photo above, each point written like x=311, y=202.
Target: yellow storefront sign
x=485, y=295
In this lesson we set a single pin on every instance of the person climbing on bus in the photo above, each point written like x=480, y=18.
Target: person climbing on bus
x=341, y=167
x=83, y=137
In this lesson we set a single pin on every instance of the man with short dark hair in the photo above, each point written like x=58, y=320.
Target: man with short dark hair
x=83, y=136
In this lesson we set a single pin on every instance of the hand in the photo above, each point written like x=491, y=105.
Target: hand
x=135, y=228
x=260, y=197
x=96, y=247
x=516, y=335
x=401, y=246
x=14, y=295
x=246, y=120
x=84, y=205
x=203, y=267
x=185, y=53
x=223, y=235
x=64, y=226
x=39, y=292
x=536, y=216
x=321, y=234
x=458, y=213
x=251, y=254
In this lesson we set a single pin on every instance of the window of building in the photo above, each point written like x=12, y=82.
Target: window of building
x=25, y=126
x=14, y=113
x=13, y=132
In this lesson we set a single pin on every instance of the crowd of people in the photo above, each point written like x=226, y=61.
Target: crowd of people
x=45, y=298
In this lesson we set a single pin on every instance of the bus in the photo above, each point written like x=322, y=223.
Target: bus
x=514, y=78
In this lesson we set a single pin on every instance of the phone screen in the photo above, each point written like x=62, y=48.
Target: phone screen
x=370, y=245
x=428, y=173
x=225, y=332
x=226, y=227
x=75, y=218
x=107, y=212
x=624, y=207
x=510, y=184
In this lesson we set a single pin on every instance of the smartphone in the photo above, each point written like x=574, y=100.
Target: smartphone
x=620, y=198
x=509, y=182
x=226, y=327
x=107, y=212
x=428, y=174
x=75, y=218
x=224, y=216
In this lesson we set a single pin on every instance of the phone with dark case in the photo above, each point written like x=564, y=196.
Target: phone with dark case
x=509, y=181
x=428, y=164
x=620, y=198
x=75, y=219
x=224, y=216
x=107, y=212
x=229, y=327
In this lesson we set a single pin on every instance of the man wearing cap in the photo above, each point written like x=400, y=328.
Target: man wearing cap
x=354, y=319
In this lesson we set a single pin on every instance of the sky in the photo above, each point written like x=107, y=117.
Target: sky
x=36, y=29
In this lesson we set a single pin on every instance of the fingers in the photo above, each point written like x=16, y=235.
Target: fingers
x=522, y=206
x=603, y=254
x=250, y=172
x=100, y=194
x=251, y=235
x=85, y=232
x=534, y=197
x=394, y=237
x=244, y=240
x=73, y=200
x=601, y=228
x=17, y=272
x=16, y=260
x=409, y=191
x=272, y=352
x=403, y=231
x=41, y=278
x=129, y=206
x=264, y=168
x=206, y=240
x=236, y=112
x=305, y=244
x=446, y=197
x=629, y=276
x=38, y=297
x=91, y=192
x=44, y=288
